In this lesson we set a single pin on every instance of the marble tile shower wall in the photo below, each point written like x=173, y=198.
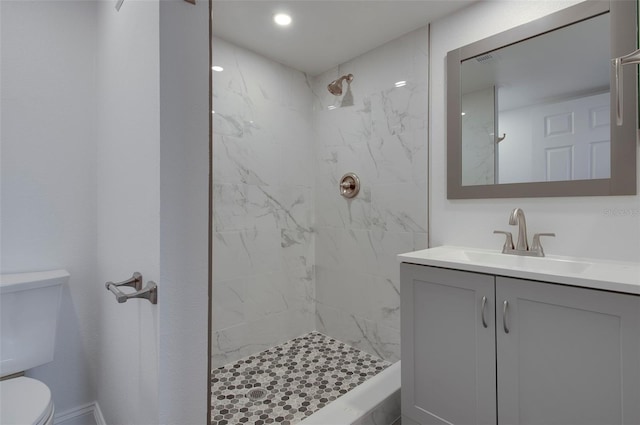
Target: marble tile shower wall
x=383, y=139
x=290, y=254
x=263, y=283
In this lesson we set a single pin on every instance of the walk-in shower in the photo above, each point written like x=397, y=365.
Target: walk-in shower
x=305, y=281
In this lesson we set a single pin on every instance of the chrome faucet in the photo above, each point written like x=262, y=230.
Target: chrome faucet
x=517, y=217
x=522, y=245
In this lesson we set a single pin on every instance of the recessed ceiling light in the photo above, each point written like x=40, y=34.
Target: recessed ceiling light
x=217, y=68
x=282, y=19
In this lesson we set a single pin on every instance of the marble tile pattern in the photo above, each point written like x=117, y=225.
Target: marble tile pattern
x=290, y=254
x=287, y=383
x=383, y=139
x=263, y=255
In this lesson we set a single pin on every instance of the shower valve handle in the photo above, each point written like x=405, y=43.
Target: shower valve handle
x=349, y=185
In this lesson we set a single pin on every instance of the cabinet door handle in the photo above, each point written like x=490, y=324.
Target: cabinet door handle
x=505, y=306
x=484, y=305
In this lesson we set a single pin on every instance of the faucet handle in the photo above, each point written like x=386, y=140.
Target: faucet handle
x=536, y=246
x=508, y=243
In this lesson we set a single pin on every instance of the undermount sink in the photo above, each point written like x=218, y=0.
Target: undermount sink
x=585, y=272
x=547, y=264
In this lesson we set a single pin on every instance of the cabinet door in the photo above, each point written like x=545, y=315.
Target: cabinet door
x=448, y=352
x=571, y=356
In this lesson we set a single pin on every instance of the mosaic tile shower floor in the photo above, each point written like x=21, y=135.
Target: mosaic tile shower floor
x=290, y=381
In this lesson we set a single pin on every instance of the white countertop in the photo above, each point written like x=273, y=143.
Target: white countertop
x=583, y=272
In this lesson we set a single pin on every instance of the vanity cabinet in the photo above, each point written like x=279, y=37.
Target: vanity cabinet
x=485, y=349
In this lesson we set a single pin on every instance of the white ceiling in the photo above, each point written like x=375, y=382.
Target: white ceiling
x=324, y=33
x=571, y=60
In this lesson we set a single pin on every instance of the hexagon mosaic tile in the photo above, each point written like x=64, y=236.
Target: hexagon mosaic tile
x=285, y=384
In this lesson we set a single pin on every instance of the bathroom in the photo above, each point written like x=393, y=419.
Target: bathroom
x=108, y=197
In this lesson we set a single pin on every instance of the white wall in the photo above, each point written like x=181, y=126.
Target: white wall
x=184, y=209
x=47, y=183
x=478, y=139
x=153, y=210
x=515, y=152
x=601, y=227
x=82, y=189
x=128, y=190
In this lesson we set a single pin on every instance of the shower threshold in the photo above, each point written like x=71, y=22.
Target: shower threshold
x=287, y=383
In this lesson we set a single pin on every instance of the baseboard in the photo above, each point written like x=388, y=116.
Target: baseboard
x=97, y=414
x=90, y=411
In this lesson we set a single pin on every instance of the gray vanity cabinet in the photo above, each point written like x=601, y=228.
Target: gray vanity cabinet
x=572, y=355
x=555, y=355
x=448, y=355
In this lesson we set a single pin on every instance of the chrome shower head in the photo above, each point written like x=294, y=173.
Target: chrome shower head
x=335, y=87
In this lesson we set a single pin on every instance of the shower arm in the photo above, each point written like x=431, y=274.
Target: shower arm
x=348, y=77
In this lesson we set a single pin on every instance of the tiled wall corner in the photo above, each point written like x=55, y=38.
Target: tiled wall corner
x=290, y=254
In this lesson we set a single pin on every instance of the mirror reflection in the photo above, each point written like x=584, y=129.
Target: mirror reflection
x=538, y=110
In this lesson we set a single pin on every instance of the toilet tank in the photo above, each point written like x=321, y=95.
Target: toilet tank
x=29, y=306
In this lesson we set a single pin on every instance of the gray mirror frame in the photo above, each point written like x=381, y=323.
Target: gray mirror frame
x=624, y=36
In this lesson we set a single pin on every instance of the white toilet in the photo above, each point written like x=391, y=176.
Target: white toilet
x=29, y=304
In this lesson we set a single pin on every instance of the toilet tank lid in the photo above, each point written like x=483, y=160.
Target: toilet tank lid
x=14, y=282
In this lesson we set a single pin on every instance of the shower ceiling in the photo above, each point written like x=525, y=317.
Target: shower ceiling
x=324, y=33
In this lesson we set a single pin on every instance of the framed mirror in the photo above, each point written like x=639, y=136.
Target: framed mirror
x=529, y=110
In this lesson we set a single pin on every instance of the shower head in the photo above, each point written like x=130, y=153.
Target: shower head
x=335, y=87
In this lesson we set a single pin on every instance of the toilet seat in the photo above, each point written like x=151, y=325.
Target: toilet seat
x=25, y=401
